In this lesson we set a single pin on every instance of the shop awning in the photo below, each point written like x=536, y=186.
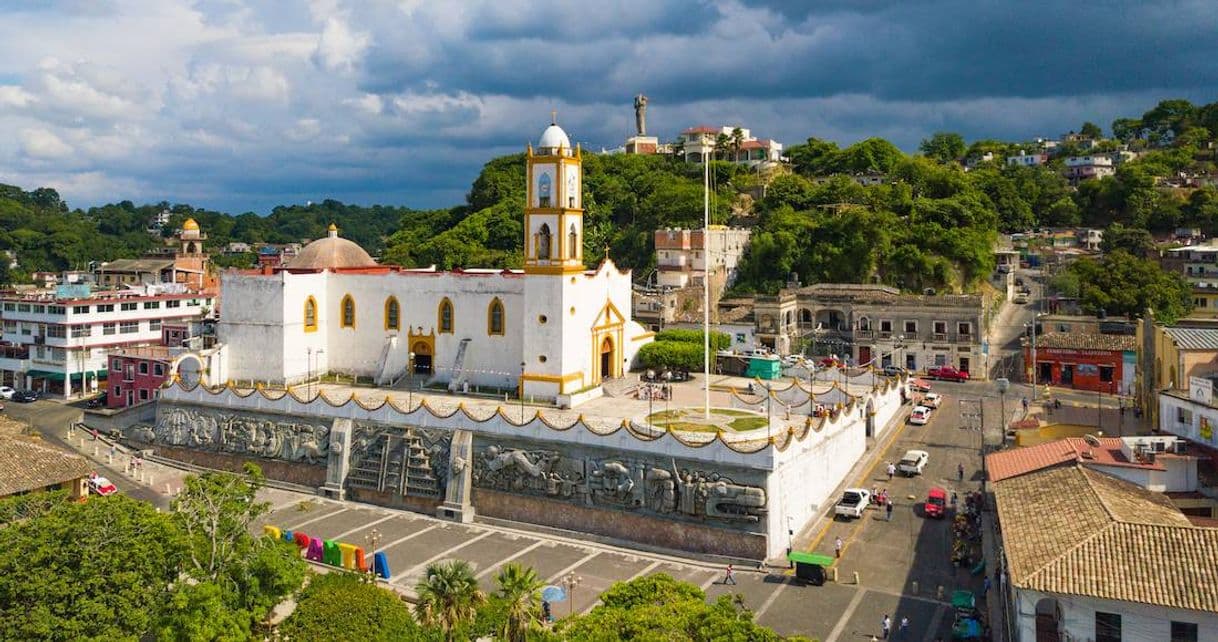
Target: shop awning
x=58, y=376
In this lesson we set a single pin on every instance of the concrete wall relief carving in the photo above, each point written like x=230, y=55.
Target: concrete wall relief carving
x=242, y=435
x=620, y=483
x=400, y=460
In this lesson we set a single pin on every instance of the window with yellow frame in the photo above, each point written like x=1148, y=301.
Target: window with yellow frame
x=393, y=314
x=347, y=312
x=494, y=317
x=446, y=316
x=310, y=315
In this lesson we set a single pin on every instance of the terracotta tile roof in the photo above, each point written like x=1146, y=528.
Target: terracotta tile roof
x=1021, y=461
x=1075, y=531
x=1087, y=341
x=27, y=464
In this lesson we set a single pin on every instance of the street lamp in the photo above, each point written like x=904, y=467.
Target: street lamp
x=651, y=375
x=373, y=540
x=522, y=366
x=570, y=581
x=410, y=380
x=667, y=390
x=311, y=354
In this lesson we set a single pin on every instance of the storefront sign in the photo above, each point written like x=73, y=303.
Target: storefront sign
x=1201, y=390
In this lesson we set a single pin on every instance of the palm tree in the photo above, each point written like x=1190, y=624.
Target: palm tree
x=722, y=143
x=448, y=596
x=737, y=142
x=520, y=590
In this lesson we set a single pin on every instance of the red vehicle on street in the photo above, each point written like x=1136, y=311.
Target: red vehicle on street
x=936, y=503
x=947, y=373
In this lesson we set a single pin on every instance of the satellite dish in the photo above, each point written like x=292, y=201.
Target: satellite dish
x=1092, y=440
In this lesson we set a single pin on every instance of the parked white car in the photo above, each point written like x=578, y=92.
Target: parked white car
x=913, y=462
x=853, y=502
x=919, y=416
x=931, y=400
x=6, y=392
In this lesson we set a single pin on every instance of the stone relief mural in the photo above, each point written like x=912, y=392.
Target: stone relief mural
x=405, y=460
x=623, y=483
x=242, y=434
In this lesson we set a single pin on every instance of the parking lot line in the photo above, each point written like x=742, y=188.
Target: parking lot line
x=770, y=600
x=360, y=528
x=421, y=566
x=403, y=539
x=557, y=576
x=488, y=570
x=647, y=569
x=934, y=623
x=709, y=583
x=316, y=519
x=846, y=615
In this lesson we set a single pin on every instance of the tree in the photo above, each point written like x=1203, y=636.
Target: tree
x=657, y=607
x=1091, y=131
x=737, y=141
x=1168, y=119
x=448, y=597
x=1127, y=129
x=1135, y=241
x=98, y=570
x=199, y=611
x=341, y=606
x=1123, y=284
x=520, y=591
x=945, y=147
x=215, y=511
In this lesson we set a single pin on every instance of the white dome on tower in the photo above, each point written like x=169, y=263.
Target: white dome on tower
x=553, y=138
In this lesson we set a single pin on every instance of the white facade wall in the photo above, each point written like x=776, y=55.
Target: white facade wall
x=1139, y=622
x=254, y=327
x=1185, y=418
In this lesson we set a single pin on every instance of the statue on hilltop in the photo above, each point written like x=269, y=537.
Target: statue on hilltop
x=640, y=114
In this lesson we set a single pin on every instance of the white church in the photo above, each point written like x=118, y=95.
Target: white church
x=555, y=328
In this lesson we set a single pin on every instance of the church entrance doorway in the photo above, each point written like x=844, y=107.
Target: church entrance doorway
x=607, y=359
x=422, y=357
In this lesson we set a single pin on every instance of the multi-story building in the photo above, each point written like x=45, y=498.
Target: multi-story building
x=876, y=324
x=1024, y=159
x=682, y=256
x=58, y=342
x=1199, y=265
x=1104, y=363
x=701, y=141
x=137, y=375
x=1082, y=168
x=188, y=264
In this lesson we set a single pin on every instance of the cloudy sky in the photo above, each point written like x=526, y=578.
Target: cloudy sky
x=245, y=104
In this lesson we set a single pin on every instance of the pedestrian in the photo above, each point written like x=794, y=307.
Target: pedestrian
x=953, y=499
x=889, y=509
x=546, y=615
x=892, y=470
x=837, y=547
x=729, y=577
x=113, y=450
x=93, y=431
x=985, y=585
x=903, y=628
x=885, y=627
x=1025, y=405
x=960, y=472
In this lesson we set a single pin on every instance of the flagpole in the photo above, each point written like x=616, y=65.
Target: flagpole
x=706, y=356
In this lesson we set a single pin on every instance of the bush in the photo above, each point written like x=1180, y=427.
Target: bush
x=671, y=354
x=341, y=606
x=718, y=340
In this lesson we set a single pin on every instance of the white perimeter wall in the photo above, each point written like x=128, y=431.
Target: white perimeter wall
x=808, y=472
x=1139, y=622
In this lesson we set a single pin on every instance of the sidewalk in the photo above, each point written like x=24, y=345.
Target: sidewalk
x=153, y=482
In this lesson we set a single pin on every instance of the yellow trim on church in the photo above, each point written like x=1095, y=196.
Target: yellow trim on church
x=343, y=321
x=310, y=302
x=490, y=318
x=441, y=327
x=561, y=380
x=393, y=324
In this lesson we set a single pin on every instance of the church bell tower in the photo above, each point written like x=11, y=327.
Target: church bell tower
x=554, y=211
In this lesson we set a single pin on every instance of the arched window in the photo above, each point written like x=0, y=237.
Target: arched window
x=446, y=316
x=393, y=314
x=543, y=242
x=310, y=315
x=494, y=317
x=347, y=312
x=573, y=239
x=543, y=190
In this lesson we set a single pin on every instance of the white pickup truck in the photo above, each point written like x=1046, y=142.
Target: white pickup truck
x=913, y=462
x=853, y=502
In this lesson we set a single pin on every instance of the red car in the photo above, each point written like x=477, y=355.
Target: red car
x=936, y=503
x=101, y=485
x=947, y=373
